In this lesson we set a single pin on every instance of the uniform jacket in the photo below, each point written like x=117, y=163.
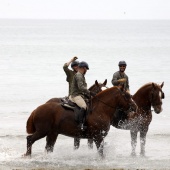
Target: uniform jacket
x=70, y=74
x=116, y=76
x=79, y=86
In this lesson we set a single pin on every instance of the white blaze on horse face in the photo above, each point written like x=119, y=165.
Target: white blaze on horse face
x=160, y=95
x=103, y=88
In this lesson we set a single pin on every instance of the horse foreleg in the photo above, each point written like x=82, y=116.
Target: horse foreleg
x=76, y=143
x=100, y=145
x=133, y=141
x=31, y=139
x=143, y=141
x=50, y=142
x=90, y=143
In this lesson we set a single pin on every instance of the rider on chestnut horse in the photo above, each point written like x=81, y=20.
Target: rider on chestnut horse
x=119, y=79
x=79, y=92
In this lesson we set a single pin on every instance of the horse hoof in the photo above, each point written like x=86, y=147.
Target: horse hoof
x=26, y=156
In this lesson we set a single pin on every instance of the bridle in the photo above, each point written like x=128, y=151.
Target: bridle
x=98, y=89
x=152, y=101
x=151, y=98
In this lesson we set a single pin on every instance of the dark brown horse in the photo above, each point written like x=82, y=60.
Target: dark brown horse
x=51, y=119
x=149, y=95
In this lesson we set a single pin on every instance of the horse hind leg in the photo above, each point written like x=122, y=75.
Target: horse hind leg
x=29, y=146
x=133, y=142
x=31, y=139
x=50, y=142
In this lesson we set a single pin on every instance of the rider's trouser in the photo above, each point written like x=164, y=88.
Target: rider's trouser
x=79, y=101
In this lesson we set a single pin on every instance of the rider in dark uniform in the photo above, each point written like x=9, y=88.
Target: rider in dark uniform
x=79, y=92
x=120, y=77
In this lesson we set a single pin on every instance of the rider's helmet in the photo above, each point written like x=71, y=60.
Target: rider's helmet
x=122, y=63
x=83, y=64
x=74, y=63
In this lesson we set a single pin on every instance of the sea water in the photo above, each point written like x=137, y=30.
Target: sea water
x=32, y=55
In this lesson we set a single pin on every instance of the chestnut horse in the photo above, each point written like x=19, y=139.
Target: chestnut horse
x=51, y=119
x=149, y=95
x=95, y=88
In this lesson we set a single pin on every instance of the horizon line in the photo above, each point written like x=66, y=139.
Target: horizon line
x=73, y=19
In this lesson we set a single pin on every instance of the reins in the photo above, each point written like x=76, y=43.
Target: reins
x=103, y=102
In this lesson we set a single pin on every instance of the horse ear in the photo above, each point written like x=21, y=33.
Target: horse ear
x=105, y=82
x=96, y=82
x=153, y=85
x=162, y=85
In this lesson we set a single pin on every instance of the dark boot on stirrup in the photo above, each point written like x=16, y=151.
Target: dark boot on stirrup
x=82, y=119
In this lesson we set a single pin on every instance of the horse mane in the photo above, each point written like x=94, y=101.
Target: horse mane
x=145, y=86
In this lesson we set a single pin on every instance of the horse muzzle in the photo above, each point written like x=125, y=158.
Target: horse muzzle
x=157, y=109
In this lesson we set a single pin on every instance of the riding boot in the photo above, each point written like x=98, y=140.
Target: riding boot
x=82, y=115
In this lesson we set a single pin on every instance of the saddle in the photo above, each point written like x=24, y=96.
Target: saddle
x=68, y=104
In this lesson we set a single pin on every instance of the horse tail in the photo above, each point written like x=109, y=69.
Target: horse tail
x=30, y=124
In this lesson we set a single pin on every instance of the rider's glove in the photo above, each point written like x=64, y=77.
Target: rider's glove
x=122, y=80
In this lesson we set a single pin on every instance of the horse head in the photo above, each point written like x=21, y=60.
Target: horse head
x=97, y=87
x=156, y=96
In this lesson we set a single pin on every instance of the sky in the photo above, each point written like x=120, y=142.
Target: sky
x=85, y=9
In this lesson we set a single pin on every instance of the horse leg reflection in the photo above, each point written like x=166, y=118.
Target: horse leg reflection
x=133, y=141
x=50, y=141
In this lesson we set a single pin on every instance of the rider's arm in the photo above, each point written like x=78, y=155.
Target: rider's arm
x=66, y=65
x=73, y=59
x=127, y=81
x=66, y=70
x=115, y=78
